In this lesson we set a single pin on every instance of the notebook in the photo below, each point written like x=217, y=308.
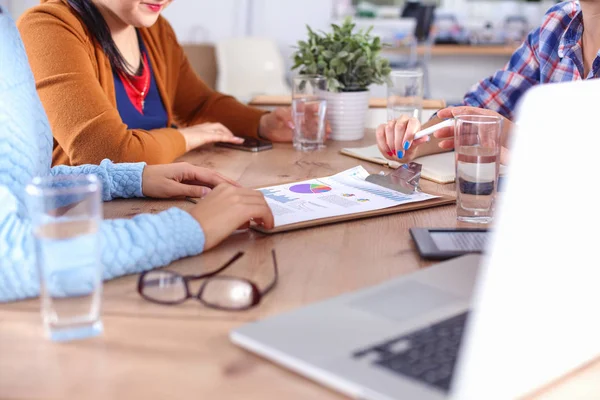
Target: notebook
x=437, y=167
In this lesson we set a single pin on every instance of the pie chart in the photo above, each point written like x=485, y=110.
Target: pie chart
x=308, y=188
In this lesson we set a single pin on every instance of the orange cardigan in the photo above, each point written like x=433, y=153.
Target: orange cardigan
x=74, y=80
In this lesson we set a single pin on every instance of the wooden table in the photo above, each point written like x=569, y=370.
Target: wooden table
x=149, y=351
x=270, y=101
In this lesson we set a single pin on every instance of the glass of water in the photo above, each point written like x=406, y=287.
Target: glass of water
x=309, y=110
x=477, y=148
x=405, y=94
x=66, y=214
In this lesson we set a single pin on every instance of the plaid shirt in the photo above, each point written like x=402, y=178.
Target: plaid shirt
x=551, y=53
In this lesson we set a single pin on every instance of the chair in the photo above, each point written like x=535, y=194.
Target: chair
x=249, y=67
x=202, y=58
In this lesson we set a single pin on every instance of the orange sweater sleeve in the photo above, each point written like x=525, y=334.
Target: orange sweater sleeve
x=85, y=122
x=195, y=102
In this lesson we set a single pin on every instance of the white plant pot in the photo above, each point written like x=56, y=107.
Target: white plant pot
x=347, y=114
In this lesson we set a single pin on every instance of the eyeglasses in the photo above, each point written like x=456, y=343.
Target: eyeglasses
x=220, y=292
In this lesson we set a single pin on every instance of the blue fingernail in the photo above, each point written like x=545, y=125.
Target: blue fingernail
x=406, y=145
x=400, y=154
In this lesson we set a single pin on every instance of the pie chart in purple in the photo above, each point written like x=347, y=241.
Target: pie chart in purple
x=309, y=188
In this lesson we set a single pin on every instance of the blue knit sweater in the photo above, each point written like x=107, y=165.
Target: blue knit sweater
x=128, y=246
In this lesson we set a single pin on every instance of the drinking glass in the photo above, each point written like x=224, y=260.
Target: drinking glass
x=66, y=213
x=309, y=109
x=405, y=94
x=477, y=149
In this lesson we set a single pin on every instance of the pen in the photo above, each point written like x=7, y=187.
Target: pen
x=428, y=131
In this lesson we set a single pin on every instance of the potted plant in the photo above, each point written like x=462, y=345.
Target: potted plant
x=350, y=61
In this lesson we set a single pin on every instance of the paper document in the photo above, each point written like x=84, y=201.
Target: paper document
x=341, y=194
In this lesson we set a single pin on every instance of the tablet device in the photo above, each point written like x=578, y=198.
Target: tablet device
x=444, y=243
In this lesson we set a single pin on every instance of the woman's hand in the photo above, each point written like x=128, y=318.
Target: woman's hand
x=228, y=208
x=180, y=180
x=395, y=139
x=452, y=112
x=201, y=134
x=447, y=134
x=278, y=126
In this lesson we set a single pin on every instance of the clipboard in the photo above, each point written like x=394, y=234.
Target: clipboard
x=366, y=154
x=442, y=200
x=404, y=180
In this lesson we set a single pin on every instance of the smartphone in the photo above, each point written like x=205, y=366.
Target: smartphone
x=445, y=243
x=250, y=144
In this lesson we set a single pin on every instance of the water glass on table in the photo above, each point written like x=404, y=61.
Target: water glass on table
x=309, y=110
x=405, y=94
x=66, y=214
x=477, y=149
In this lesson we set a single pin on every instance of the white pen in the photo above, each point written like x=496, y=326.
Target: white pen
x=428, y=131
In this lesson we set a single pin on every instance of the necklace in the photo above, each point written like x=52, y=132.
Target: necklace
x=141, y=94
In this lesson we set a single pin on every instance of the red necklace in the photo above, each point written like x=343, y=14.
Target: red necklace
x=137, y=86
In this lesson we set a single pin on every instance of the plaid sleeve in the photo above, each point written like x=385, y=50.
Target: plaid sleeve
x=501, y=91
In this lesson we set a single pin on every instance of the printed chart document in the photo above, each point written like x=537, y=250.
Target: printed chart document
x=341, y=194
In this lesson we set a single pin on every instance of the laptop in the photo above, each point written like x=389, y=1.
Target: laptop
x=495, y=326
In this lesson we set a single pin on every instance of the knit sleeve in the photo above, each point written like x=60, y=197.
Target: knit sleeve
x=118, y=180
x=148, y=241
x=127, y=246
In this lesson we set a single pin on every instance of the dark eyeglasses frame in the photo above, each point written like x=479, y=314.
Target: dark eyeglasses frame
x=257, y=294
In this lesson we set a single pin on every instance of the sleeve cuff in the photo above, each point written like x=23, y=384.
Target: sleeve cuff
x=125, y=179
x=187, y=235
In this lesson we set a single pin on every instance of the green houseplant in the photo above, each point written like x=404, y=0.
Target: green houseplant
x=350, y=61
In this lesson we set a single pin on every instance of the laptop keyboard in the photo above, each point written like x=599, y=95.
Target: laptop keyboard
x=427, y=355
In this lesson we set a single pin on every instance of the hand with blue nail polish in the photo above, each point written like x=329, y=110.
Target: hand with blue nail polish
x=395, y=139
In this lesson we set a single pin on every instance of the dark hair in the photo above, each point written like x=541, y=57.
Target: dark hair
x=96, y=24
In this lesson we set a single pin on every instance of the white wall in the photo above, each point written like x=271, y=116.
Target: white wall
x=207, y=20
x=226, y=18
x=281, y=20
x=17, y=7
x=285, y=22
